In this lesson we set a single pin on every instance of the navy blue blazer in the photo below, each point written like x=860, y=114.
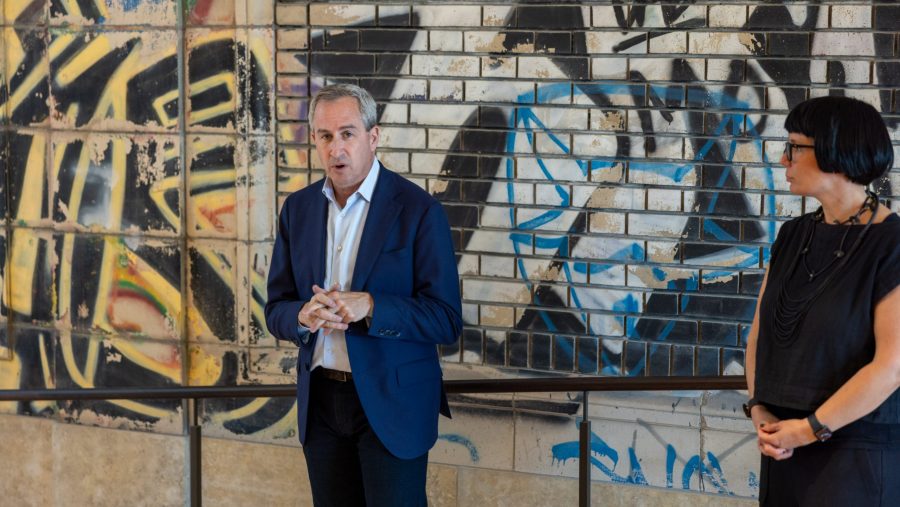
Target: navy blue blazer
x=407, y=263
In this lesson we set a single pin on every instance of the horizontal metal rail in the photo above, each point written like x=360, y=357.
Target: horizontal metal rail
x=525, y=385
x=517, y=385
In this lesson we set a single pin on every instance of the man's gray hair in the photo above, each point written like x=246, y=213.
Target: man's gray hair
x=367, y=107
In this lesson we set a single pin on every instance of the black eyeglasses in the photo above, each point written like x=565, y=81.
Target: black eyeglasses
x=789, y=148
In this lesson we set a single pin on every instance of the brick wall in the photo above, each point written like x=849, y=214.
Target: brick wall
x=610, y=169
x=137, y=141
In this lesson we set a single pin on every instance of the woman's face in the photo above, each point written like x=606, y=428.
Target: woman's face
x=802, y=171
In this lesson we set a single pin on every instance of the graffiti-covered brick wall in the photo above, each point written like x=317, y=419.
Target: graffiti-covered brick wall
x=611, y=174
x=138, y=195
x=610, y=169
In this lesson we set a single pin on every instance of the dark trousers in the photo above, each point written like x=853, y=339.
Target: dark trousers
x=347, y=464
x=822, y=475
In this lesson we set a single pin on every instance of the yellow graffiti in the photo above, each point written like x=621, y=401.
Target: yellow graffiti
x=158, y=196
x=9, y=379
x=170, y=368
x=45, y=362
x=14, y=8
x=68, y=354
x=240, y=413
x=133, y=299
x=159, y=105
x=25, y=242
x=283, y=428
x=59, y=44
x=125, y=268
x=69, y=239
x=35, y=77
x=258, y=283
x=262, y=52
x=95, y=50
x=205, y=369
x=112, y=104
x=206, y=204
x=39, y=406
x=202, y=115
x=15, y=53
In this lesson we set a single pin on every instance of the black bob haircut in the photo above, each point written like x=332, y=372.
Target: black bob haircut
x=850, y=136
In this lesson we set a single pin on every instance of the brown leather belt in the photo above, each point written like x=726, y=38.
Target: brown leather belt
x=340, y=376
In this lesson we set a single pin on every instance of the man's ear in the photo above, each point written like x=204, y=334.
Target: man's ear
x=374, y=136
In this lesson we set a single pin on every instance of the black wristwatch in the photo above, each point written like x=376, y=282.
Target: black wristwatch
x=748, y=407
x=821, y=431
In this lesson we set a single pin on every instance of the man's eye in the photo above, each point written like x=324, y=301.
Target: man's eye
x=347, y=134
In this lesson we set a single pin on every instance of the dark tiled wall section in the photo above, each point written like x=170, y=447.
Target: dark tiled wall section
x=610, y=169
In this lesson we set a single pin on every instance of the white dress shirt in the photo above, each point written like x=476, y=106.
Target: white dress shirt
x=345, y=228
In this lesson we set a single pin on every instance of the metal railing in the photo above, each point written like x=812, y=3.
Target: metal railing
x=531, y=385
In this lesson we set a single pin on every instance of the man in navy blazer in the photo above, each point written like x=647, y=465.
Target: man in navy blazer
x=363, y=279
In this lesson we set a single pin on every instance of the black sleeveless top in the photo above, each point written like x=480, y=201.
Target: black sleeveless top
x=836, y=337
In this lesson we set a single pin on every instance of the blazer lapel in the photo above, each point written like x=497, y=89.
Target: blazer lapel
x=383, y=210
x=316, y=233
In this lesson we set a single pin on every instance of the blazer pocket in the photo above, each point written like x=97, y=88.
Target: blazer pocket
x=413, y=373
x=398, y=252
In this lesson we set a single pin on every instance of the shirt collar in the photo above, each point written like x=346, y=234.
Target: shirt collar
x=366, y=188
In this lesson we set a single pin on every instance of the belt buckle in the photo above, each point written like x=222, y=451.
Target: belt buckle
x=336, y=375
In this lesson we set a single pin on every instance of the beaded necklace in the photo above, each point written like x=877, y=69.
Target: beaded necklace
x=790, y=310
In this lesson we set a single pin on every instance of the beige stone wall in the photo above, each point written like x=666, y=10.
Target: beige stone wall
x=49, y=463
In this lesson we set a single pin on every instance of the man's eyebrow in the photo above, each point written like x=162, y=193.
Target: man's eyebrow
x=342, y=127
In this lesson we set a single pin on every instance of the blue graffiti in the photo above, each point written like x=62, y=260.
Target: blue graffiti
x=670, y=464
x=130, y=5
x=753, y=482
x=709, y=471
x=528, y=123
x=713, y=473
x=463, y=441
x=636, y=476
x=570, y=450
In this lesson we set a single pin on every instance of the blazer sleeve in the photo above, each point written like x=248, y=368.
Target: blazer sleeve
x=433, y=314
x=283, y=303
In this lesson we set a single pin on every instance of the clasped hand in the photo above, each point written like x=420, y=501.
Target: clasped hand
x=334, y=309
x=778, y=438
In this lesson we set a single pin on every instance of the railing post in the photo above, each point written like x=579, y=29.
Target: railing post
x=584, y=456
x=196, y=457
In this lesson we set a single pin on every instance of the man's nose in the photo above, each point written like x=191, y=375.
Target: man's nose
x=336, y=147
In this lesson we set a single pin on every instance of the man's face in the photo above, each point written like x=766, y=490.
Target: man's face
x=345, y=147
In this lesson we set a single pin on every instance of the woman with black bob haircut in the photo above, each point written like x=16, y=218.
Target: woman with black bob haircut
x=823, y=353
x=850, y=137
